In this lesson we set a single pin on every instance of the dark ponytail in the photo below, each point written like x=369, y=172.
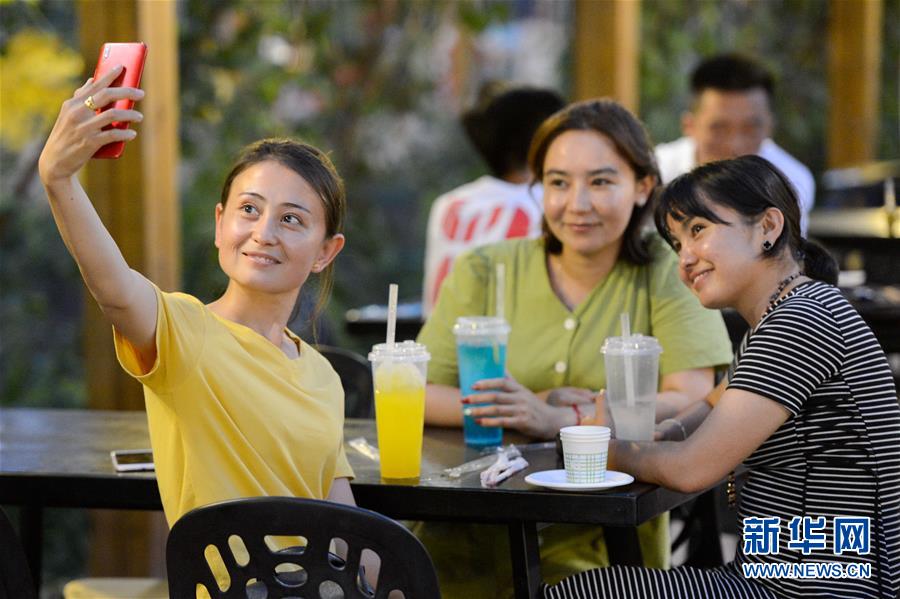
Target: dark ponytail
x=818, y=263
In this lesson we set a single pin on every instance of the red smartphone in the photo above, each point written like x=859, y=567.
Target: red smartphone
x=131, y=56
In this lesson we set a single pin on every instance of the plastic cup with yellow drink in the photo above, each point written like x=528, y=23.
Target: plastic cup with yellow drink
x=399, y=371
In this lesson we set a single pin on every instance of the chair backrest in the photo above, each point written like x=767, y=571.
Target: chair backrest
x=301, y=563
x=356, y=377
x=15, y=578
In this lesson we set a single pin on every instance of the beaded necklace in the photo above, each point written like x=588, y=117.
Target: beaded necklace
x=730, y=487
x=784, y=283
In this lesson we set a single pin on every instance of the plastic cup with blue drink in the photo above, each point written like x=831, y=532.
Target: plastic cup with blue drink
x=480, y=354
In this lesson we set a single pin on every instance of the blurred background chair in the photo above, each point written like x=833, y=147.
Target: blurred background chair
x=15, y=578
x=282, y=546
x=702, y=524
x=356, y=377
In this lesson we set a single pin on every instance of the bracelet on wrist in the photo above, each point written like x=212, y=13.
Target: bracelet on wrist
x=678, y=424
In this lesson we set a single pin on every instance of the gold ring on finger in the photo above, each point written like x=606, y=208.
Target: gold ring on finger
x=90, y=104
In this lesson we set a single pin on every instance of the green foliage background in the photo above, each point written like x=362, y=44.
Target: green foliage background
x=789, y=37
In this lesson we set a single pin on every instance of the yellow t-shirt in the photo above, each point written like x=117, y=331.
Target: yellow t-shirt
x=230, y=415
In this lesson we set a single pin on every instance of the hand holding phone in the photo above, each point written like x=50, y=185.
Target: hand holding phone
x=131, y=56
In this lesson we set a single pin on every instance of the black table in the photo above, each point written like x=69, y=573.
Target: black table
x=60, y=458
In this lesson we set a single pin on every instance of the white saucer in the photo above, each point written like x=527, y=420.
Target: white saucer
x=556, y=479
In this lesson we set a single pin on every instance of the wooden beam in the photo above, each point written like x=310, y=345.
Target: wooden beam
x=607, y=36
x=854, y=80
x=137, y=198
x=158, y=28
x=114, y=187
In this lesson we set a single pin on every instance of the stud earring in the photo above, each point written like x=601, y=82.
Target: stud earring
x=767, y=245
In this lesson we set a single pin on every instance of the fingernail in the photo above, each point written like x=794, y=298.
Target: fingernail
x=132, y=133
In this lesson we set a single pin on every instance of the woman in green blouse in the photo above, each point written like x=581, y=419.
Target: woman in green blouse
x=563, y=296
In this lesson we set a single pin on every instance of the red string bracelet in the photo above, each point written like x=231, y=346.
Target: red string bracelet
x=577, y=414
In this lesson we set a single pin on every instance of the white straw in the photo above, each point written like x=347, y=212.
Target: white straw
x=392, y=315
x=890, y=199
x=499, y=286
x=625, y=321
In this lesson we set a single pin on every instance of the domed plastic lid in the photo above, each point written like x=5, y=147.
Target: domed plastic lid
x=404, y=351
x=478, y=326
x=633, y=344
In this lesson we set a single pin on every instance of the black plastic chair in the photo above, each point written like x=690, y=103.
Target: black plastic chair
x=15, y=577
x=308, y=569
x=701, y=531
x=356, y=377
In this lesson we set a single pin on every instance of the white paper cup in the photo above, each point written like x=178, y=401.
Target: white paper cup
x=584, y=453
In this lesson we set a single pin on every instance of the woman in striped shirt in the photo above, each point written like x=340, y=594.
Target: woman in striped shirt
x=808, y=407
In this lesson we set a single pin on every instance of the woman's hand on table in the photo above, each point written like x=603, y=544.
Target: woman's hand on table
x=516, y=407
x=600, y=415
x=570, y=396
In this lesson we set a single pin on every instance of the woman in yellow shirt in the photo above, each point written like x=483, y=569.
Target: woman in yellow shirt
x=237, y=404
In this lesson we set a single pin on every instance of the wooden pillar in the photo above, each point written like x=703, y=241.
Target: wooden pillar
x=607, y=36
x=158, y=28
x=854, y=80
x=137, y=198
x=115, y=188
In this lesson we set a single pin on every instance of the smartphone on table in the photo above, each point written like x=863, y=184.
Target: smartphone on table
x=132, y=460
x=131, y=55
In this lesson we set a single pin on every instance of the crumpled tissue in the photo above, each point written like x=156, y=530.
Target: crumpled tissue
x=508, y=463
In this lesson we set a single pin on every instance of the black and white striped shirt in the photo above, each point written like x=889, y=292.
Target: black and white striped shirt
x=838, y=454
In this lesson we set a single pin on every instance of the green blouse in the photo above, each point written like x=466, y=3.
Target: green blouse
x=551, y=346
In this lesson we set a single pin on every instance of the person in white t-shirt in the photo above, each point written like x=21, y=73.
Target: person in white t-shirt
x=732, y=116
x=494, y=207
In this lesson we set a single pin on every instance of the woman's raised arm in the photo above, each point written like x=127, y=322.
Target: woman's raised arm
x=126, y=298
